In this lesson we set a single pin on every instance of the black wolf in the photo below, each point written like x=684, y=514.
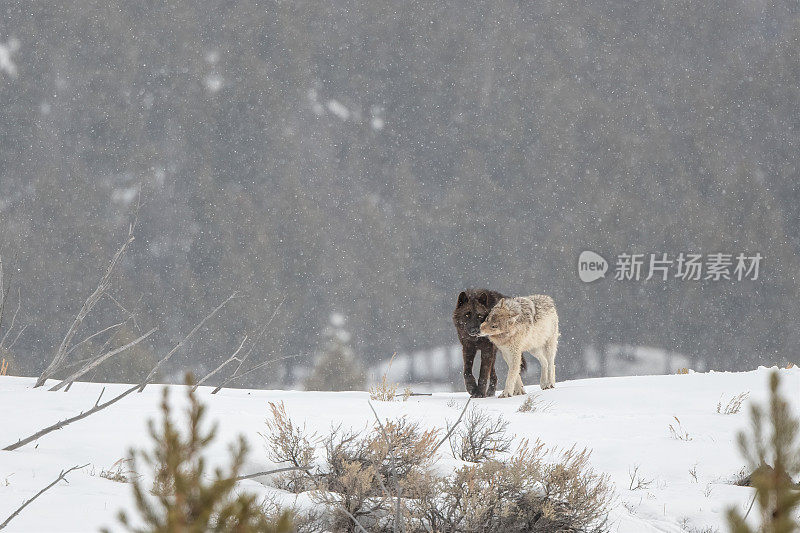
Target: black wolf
x=472, y=307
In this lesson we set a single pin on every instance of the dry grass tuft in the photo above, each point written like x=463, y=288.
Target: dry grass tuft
x=678, y=432
x=120, y=471
x=534, y=404
x=734, y=405
x=683, y=370
x=385, y=391
x=3, y=367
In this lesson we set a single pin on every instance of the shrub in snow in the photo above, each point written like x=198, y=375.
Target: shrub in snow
x=289, y=443
x=524, y=493
x=182, y=498
x=772, y=451
x=383, y=481
x=480, y=437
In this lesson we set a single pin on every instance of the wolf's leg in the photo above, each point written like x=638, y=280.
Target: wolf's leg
x=468, y=353
x=514, y=360
x=487, y=367
x=492, y=388
x=544, y=377
x=519, y=388
x=550, y=352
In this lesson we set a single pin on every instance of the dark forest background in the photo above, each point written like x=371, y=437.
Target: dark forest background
x=373, y=159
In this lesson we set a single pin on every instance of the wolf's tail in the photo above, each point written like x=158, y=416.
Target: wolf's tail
x=524, y=366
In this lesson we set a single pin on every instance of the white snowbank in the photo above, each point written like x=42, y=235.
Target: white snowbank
x=623, y=420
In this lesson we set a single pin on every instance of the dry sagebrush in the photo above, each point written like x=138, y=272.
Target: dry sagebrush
x=522, y=494
x=374, y=480
x=480, y=437
x=289, y=443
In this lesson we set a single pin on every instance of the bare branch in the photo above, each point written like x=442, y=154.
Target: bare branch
x=228, y=360
x=61, y=476
x=353, y=518
x=98, y=398
x=105, y=282
x=450, y=431
x=97, y=407
x=4, y=293
x=235, y=374
x=93, y=335
x=67, y=421
x=167, y=357
x=258, y=337
x=100, y=359
x=276, y=471
x=259, y=365
x=19, y=334
x=13, y=318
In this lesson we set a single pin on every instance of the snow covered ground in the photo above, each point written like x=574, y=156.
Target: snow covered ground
x=623, y=420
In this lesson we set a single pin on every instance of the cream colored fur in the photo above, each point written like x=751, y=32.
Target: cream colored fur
x=524, y=324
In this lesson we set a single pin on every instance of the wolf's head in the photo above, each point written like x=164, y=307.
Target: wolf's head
x=501, y=318
x=471, y=308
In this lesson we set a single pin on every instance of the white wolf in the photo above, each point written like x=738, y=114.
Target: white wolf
x=524, y=324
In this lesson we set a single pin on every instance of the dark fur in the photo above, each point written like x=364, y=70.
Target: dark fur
x=471, y=308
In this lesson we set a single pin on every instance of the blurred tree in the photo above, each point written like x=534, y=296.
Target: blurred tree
x=336, y=366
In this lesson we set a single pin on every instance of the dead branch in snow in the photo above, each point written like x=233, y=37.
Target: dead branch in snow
x=220, y=367
x=62, y=475
x=259, y=365
x=102, y=287
x=99, y=359
x=450, y=431
x=236, y=373
x=93, y=335
x=276, y=471
x=100, y=406
x=4, y=292
x=67, y=421
x=167, y=357
x=13, y=317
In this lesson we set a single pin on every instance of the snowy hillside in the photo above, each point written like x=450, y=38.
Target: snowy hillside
x=625, y=421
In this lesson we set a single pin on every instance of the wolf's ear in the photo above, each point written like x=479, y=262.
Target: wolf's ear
x=462, y=299
x=485, y=300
